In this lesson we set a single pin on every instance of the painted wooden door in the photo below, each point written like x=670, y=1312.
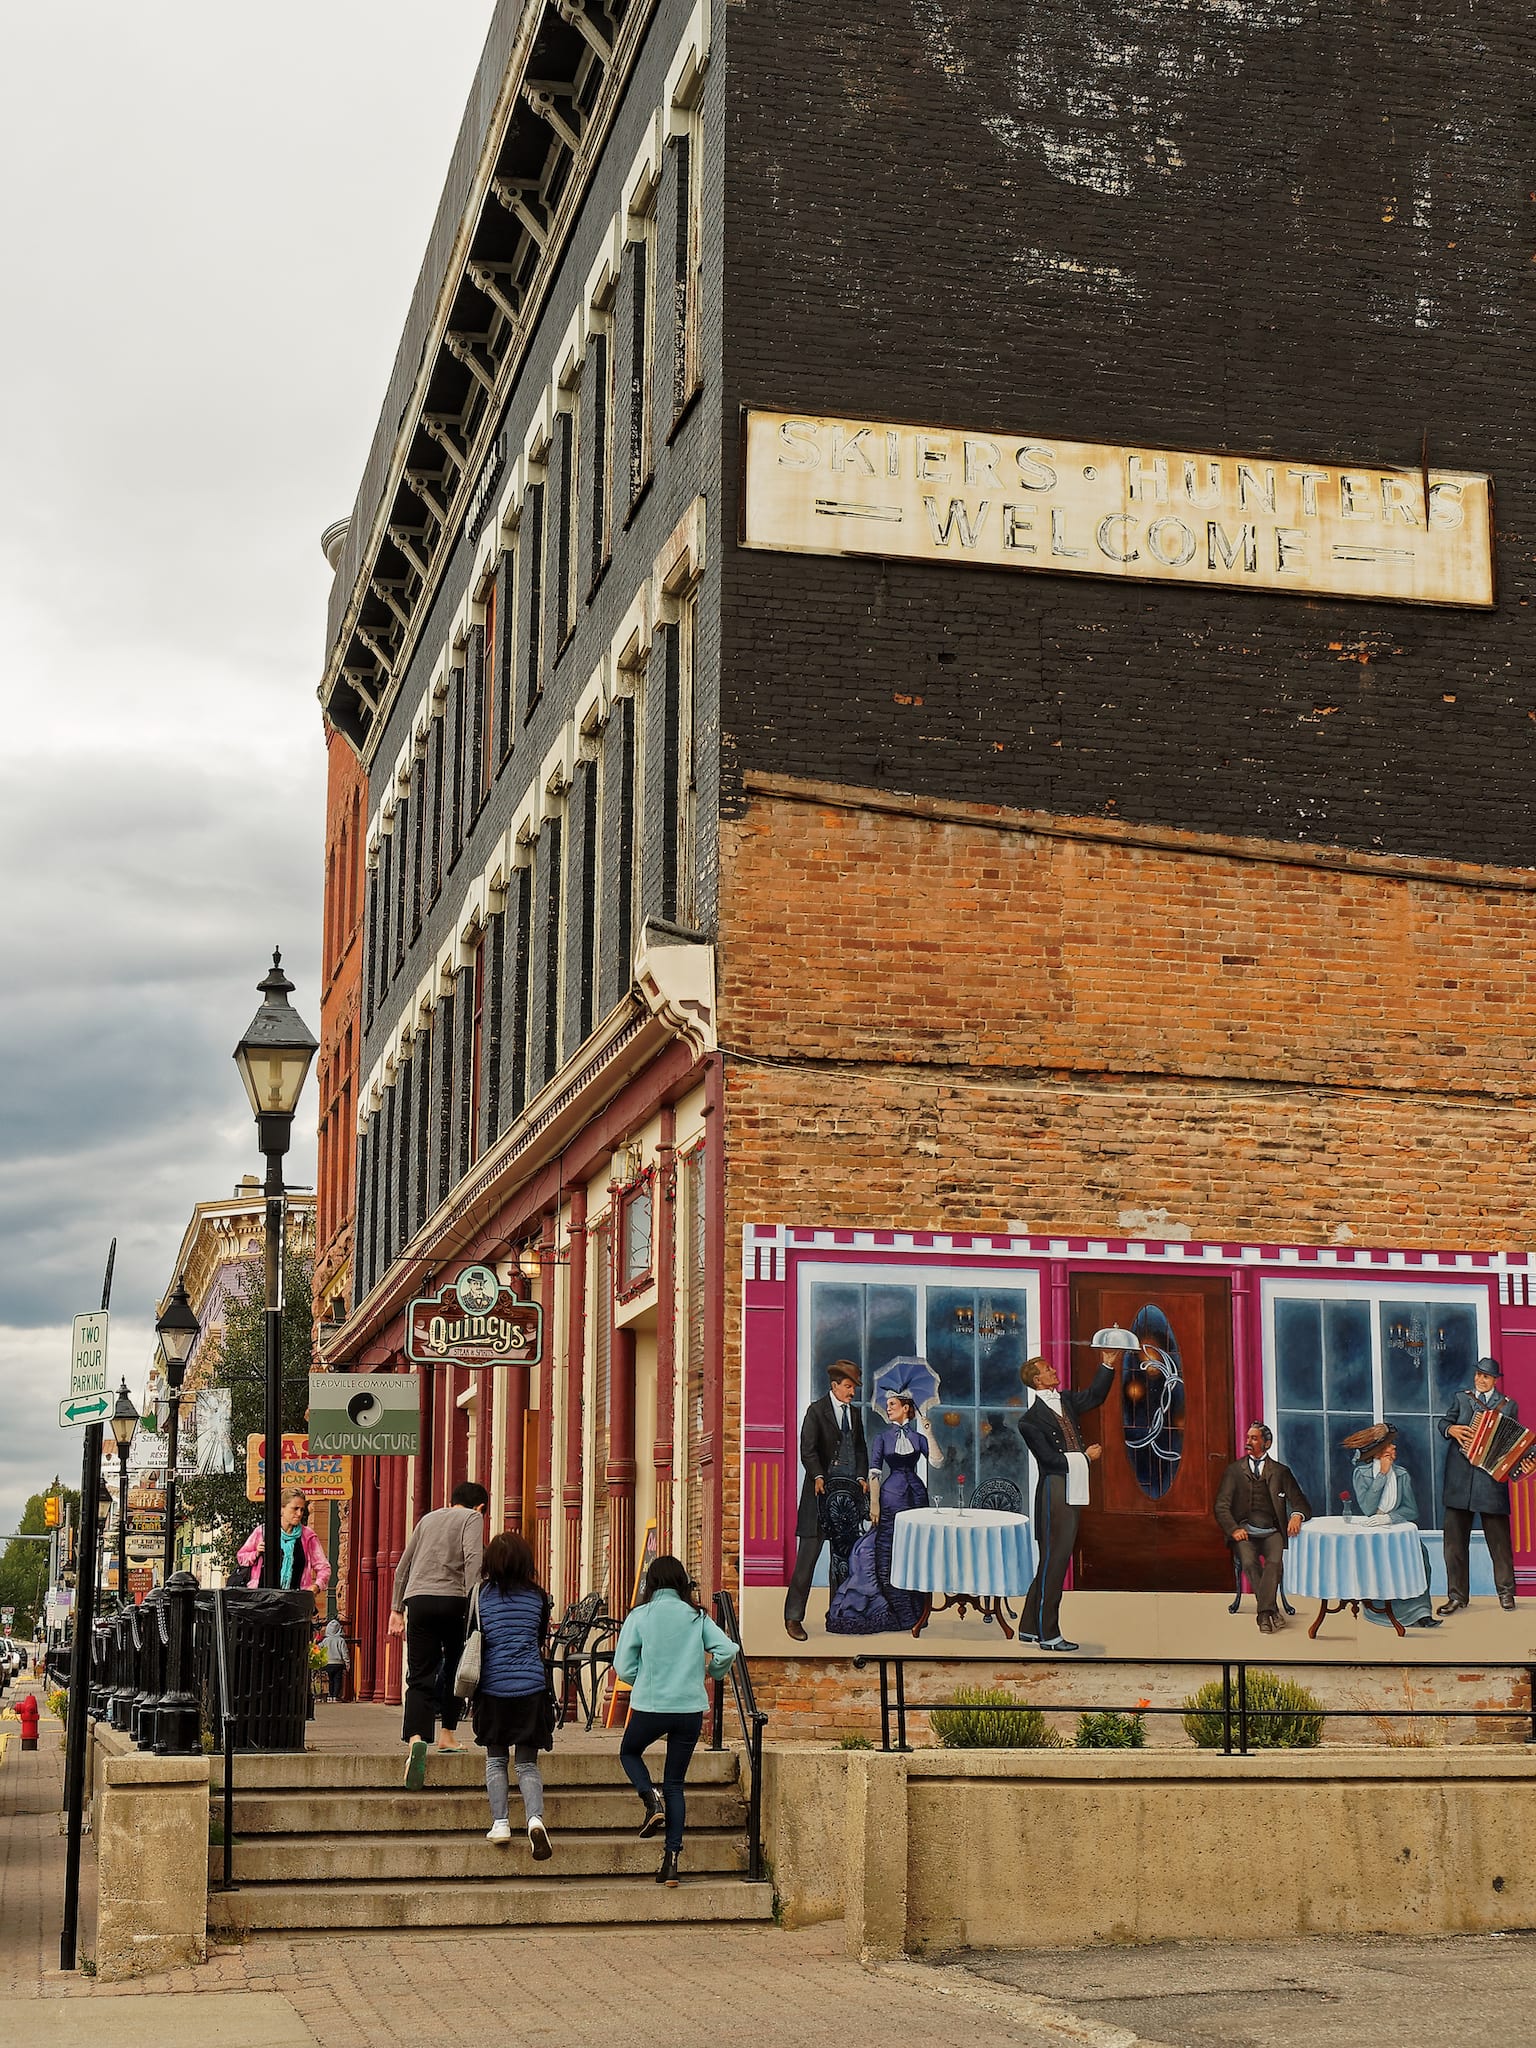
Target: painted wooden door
x=1166, y=1432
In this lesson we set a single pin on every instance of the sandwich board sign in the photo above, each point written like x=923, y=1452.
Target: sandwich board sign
x=364, y=1414
x=87, y=1401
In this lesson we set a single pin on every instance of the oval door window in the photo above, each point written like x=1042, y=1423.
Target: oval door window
x=1152, y=1403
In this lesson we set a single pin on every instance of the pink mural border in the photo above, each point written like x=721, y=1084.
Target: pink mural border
x=774, y=1253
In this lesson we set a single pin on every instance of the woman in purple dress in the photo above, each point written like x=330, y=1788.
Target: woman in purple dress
x=866, y=1603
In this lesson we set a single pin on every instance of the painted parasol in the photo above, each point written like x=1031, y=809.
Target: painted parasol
x=914, y=1376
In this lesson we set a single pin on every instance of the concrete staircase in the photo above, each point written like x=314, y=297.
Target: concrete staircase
x=333, y=1842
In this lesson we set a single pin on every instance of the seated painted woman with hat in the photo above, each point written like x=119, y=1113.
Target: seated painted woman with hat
x=1384, y=1491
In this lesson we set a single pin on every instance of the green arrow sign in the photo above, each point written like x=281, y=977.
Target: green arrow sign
x=73, y=1414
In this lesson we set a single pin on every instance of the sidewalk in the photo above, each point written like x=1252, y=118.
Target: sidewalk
x=650, y=1988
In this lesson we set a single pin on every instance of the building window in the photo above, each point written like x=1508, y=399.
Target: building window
x=402, y=833
x=442, y=1034
x=586, y=810
x=477, y=980
x=569, y=428
x=600, y=370
x=371, y=967
x=458, y=707
x=490, y=670
x=680, y=795
x=493, y=951
x=479, y=714
x=687, y=244
x=423, y=1148
x=533, y=545
x=1341, y=1356
x=437, y=743
x=418, y=840
x=552, y=859
x=636, y=1217
x=386, y=910
x=641, y=340
x=405, y=1128
x=515, y=1035
x=973, y=1331
x=506, y=647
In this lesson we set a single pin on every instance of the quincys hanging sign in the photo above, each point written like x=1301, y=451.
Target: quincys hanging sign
x=826, y=486
x=474, y=1320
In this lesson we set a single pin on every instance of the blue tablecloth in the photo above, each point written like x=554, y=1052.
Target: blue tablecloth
x=963, y=1550
x=1332, y=1559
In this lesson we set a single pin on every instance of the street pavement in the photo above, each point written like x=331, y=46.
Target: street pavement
x=689, y=1988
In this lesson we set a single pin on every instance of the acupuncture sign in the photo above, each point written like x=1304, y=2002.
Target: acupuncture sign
x=475, y=1320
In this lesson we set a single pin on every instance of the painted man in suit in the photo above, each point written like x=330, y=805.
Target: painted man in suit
x=1051, y=1433
x=1469, y=1492
x=832, y=1446
x=1259, y=1507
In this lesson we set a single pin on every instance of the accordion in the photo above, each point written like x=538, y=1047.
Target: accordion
x=1500, y=1447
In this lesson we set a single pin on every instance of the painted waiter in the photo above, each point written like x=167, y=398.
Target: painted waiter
x=1051, y=1433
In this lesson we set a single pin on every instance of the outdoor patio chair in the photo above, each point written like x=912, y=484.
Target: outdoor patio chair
x=581, y=1647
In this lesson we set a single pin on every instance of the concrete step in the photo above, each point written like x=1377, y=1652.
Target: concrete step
x=572, y=1809
x=432, y=1859
x=322, y=1770
x=526, y=1902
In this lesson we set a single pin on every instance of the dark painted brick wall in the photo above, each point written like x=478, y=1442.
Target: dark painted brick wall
x=1290, y=227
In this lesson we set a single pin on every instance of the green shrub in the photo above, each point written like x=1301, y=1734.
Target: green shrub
x=1294, y=1716
x=1110, y=1731
x=855, y=1742
x=961, y=1726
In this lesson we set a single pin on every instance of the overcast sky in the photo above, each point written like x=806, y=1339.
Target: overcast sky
x=211, y=219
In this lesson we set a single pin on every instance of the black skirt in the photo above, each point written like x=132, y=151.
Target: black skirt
x=501, y=1723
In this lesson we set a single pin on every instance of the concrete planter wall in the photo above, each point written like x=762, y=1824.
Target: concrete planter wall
x=950, y=1849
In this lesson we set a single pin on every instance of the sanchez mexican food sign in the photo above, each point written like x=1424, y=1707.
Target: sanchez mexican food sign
x=829, y=486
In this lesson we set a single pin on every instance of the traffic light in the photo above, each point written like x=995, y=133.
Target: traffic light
x=51, y=1511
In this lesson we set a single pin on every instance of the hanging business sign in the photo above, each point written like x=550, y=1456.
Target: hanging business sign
x=304, y=1471
x=474, y=1320
x=821, y=485
x=364, y=1414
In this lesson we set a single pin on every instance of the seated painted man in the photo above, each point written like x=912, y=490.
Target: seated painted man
x=1259, y=1507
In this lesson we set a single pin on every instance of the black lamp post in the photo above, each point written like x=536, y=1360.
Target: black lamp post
x=273, y=1058
x=124, y=1420
x=177, y=1330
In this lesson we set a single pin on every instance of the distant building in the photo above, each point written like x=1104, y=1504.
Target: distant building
x=222, y=1243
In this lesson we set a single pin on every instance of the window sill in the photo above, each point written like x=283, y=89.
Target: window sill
x=684, y=412
x=638, y=500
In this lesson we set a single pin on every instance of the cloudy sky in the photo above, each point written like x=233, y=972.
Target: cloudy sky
x=212, y=219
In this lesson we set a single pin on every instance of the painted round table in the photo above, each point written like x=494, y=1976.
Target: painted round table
x=1353, y=1562
x=963, y=1558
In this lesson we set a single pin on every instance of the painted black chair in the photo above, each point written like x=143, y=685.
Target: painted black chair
x=1001, y=1495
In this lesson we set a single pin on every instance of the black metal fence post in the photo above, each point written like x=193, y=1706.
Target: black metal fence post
x=885, y=1705
x=1226, y=1709
x=176, y=1722
x=1242, y=1709
x=901, y=1705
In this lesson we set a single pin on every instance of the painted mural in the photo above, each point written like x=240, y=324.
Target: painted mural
x=1055, y=1447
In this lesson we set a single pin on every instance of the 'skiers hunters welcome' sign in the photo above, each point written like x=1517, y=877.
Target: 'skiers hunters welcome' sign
x=828, y=486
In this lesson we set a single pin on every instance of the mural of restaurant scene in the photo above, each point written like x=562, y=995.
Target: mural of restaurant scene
x=908, y=1395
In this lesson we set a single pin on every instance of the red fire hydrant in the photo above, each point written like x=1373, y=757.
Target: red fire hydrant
x=26, y=1714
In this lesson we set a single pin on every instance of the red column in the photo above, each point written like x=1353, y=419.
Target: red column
x=712, y=1449
x=544, y=1479
x=384, y=1579
x=422, y=1496
x=365, y=1568
x=666, y=1321
x=575, y=1356
x=393, y=1647
x=620, y=1469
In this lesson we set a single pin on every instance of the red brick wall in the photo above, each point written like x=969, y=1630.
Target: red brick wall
x=346, y=806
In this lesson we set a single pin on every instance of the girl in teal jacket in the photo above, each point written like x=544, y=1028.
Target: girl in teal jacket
x=666, y=1647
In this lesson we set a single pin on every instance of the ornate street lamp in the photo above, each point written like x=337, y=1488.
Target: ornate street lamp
x=124, y=1421
x=274, y=1057
x=177, y=1330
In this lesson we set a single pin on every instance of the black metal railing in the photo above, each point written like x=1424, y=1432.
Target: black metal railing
x=1238, y=1717
x=226, y=1707
x=264, y=1640
x=753, y=1722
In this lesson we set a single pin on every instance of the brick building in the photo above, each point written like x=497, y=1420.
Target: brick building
x=945, y=750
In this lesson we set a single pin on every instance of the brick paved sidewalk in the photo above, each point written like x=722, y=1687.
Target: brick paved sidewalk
x=667, y=1988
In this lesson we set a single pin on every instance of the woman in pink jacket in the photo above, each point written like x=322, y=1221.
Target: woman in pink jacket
x=304, y=1562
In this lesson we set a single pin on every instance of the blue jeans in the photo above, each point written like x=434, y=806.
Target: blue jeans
x=682, y=1733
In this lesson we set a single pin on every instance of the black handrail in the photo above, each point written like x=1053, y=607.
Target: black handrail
x=753, y=1722
x=1236, y=1714
x=227, y=1715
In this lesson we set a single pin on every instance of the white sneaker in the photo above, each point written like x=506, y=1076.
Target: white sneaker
x=539, y=1842
x=500, y=1831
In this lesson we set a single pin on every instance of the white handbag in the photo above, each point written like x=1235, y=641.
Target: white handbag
x=466, y=1680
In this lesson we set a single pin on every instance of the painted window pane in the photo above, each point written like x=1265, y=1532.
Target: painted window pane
x=1302, y=1446
x=1341, y=1463
x=954, y=1431
x=1002, y=1328
x=837, y=1330
x=1299, y=1354
x=1428, y=1350
x=951, y=1347
x=892, y=1326
x=1421, y=1454
x=1347, y=1355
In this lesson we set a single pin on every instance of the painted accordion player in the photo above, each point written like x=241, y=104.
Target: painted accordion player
x=1500, y=1447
